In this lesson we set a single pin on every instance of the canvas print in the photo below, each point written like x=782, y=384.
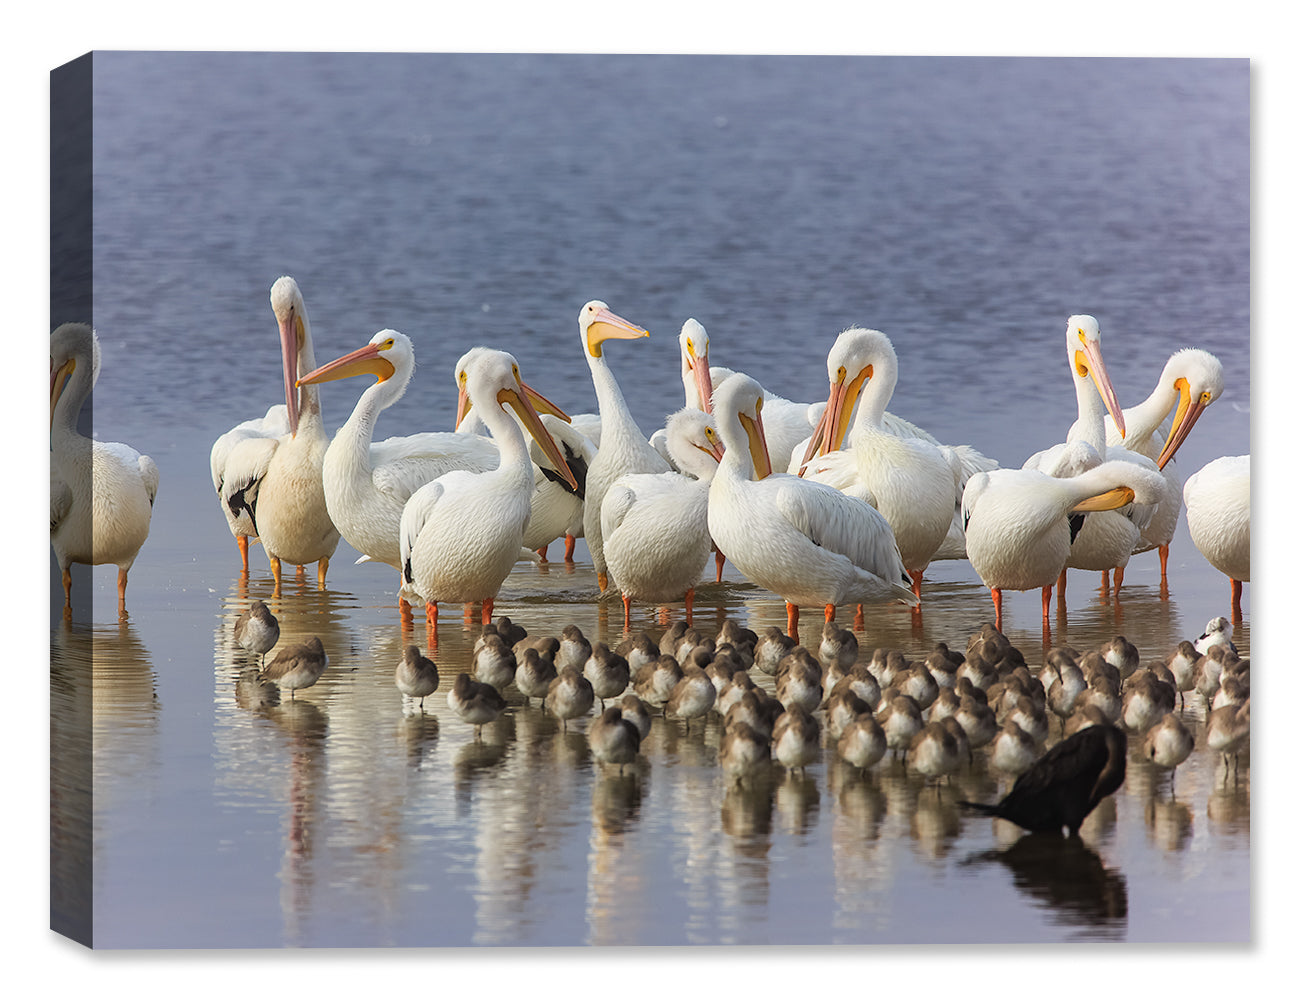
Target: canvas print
x=558, y=500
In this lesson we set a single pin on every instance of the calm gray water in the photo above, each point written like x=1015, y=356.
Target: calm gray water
x=964, y=206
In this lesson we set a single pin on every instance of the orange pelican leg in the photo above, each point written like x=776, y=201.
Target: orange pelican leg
x=569, y=542
x=830, y=612
x=690, y=604
x=431, y=623
x=792, y=620
x=242, y=542
x=859, y=620
x=997, y=607
x=720, y=560
x=602, y=581
x=275, y=573
x=488, y=604
x=1119, y=580
x=627, y=613
x=542, y=552
x=1060, y=588
x=1047, y=602
x=67, y=593
x=916, y=582
x=121, y=593
x=1164, y=564
x=1236, y=600
x=322, y=568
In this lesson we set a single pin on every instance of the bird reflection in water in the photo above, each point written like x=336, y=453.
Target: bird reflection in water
x=746, y=814
x=860, y=804
x=1066, y=878
x=616, y=799
x=798, y=802
x=477, y=758
x=418, y=732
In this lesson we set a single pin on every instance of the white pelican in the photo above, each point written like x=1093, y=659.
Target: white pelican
x=1107, y=539
x=655, y=526
x=805, y=541
x=367, y=483
x=908, y=479
x=461, y=533
x=1218, y=519
x=1192, y=379
x=623, y=448
x=256, y=440
x=1017, y=532
x=287, y=506
x=787, y=422
x=557, y=507
x=101, y=493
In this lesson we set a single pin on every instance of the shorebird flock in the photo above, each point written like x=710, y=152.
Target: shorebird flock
x=1059, y=731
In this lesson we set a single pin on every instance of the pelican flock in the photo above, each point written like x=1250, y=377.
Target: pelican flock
x=852, y=509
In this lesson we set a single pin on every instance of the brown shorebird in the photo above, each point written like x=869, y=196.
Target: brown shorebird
x=297, y=666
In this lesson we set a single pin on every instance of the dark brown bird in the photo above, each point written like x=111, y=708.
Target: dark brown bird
x=257, y=630
x=1065, y=784
x=298, y=666
x=475, y=702
x=416, y=675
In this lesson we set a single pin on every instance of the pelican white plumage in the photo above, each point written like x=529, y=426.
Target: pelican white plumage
x=286, y=505
x=1017, y=529
x=1191, y=380
x=101, y=493
x=908, y=479
x=254, y=441
x=367, y=483
x=461, y=533
x=1106, y=539
x=623, y=448
x=787, y=423
x=1218, y=519
x=557, y=507
x=655, y=526
x=807, y=542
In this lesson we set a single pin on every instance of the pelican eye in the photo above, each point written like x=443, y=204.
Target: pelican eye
x=386, y=345
x=1205, y=398
x=841, y=374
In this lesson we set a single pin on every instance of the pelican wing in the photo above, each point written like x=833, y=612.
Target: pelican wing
x=843, y=524
x=245, y=468
x=401, y=465
x=417, y=512
x=274, y=425
x=60, y=500
x=149, y=475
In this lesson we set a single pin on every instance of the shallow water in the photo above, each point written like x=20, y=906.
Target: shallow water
x=964, y=209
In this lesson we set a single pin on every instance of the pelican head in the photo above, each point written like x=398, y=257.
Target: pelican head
x=695, y=361
x=693, y=442
x=463, y=401
x=738, y=409
x=598, y=324
x=856, y=357
x=291, y=315
x=387, y=353
x=1083, y=342
x=494, y=375
x=68, y=343
x=1197, y=378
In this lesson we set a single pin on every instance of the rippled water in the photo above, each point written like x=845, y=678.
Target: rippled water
x=965, y=207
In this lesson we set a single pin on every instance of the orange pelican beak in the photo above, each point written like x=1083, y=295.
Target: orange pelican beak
x=829, y=434
x=1087, y=361
x=608, y=326
x=290, y=340
x=1189, y=411
x=699, y=367
x=368, y=360
x=757, y=441
x=1110, y=500
x=58, y=382
x=517, y=399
